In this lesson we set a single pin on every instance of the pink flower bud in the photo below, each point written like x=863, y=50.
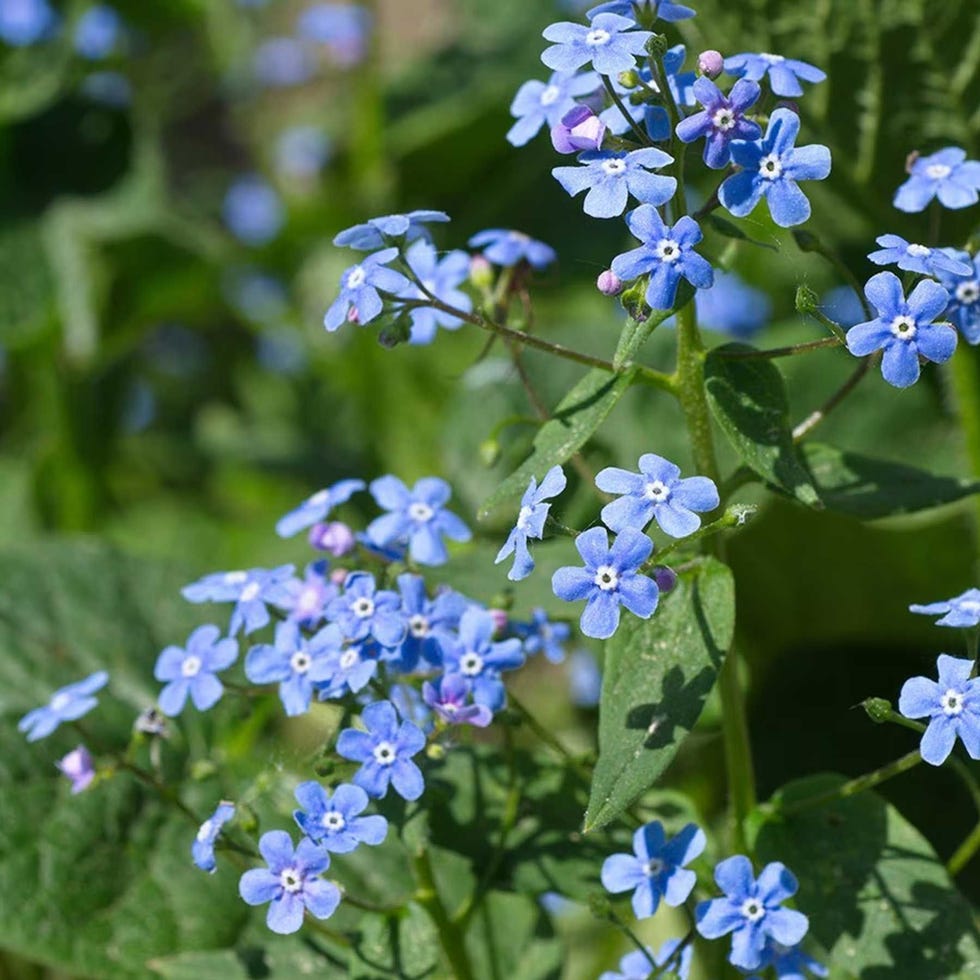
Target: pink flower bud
x=500, y=619
x=579, y=129
x=710, y=63
x=481, y=272
x=339, y=575
x=609, y=284
x=335, y=538
x=352, y=315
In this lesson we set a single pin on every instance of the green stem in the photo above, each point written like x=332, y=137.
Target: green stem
x=964, y=378
x=614, y=95
x=731, y=518
x=792, y=350
x=964, y=853
x=632, y=937
x=553, y=743
x=450, y=934
x=677, y=148
x=815, y=418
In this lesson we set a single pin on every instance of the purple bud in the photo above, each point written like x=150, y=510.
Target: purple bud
x=500, y=619
x=580, y=129
x=335, y=538
x=666, y=578
x=609, y=284
x=339, y=575
x=78, y=767
x=711, y=63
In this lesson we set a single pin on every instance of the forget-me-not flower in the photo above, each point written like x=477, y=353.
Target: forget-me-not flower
x=964, y=295
x=250, y=591
x=78, y=767
x=25, y=22
x=306, y=599
x=790, y=962
x=342, y=27
x=530, y=522
x=656, y=492
x=952, y=706
x=334, y=821
x=784, y=73
x=751, y=910
x=542, y=635
x=904, y=328
x=584, y=679
x=771, y=168
x=538, y=104
x=281, y=62
x=473, y=655
x=202, y=850
x=610, y=43
x=292, y=882
x=294, y=663
x=66, y=704
x=385, y=752
x=911, y=257
x=946, y=175
x=301, y=152
x=390, y=229
x=636, y=965
x=665, y=9
x=253, y=211
x=191, y=670
x=610, y=578
x=316, y=508
x=507, y=248
x=363, y=610
x=448, y=698
x=97, y=32
x=962, y=610
x=360, y=287
x=431, y=622
x=667, y=254
x=731, y=306
x=722, y=119
x=611, y=176
x=441, y=277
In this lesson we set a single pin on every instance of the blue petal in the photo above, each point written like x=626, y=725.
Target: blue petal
x=938, y=740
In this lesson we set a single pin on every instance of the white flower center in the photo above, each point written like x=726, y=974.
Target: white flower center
x=60, y=702
x=191, y=666
x=356, y=277
x=235, y=578
x=606, y=577
x=952, y=702
x=550, y=95
x=597, y=37
x=523, y=517
x=291, y=880
x=363, y=608
x=724, y=120
x=773, y=59
x=349, y=658
x=205, y=832
x=471, y=663
x=938, y=171
x=919, y=251
x=333, y=821
x=384, y=753
x=968, y=293
x=418, y=626
x=904, y=327
x=771, y=166
x=657, y=491
x=653, y=867
x=614, y=167
x=753, y=909
x=420, y=512
x=309, y=599
x=667, y=250
x=300, y=662
x=250, y=592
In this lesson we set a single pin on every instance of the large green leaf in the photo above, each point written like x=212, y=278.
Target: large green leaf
x=748, y=398
x=658, y=674
x=868, y=488
x=879, y=900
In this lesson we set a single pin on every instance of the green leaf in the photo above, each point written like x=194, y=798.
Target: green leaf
x=25, y=285
x=658, y=674
x=576, y=418
x=748, y=398
x=867, y=488
x=403, y=946
x=879, y=900
x=510, y=936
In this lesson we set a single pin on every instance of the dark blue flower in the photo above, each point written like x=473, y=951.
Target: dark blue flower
x=250, y=591
x=610, y=578
x=610, y=43
x=538, y=104
x=317, y=507
x=474, y=656
x=952, y=706
x=656, y=869
x=448, y=698
x=751, y=910
x=667, y=254
x=507, y=248
x=191, y=671
x=333, y=820
x=964, y=296
x=385, y=752
x=431, y=622
x=904, y=328
x=363, y=611
x=293, y=663
x=611, y=176
x=253, y=211
x=665, y=9
x=97, y=32
x=530, y=522
x=390, y=229
x=895, y=250
x=292, y=882
x=542, y=635
x=962, y=611
x=360, y=300
x=416, y=517
x=946, y=175
x=67, y=704
x=636, y=965
x=771, y=168
x=441, y=277
x=25, y=22
x=202, y=850
x=784, y=73
x=722, y=120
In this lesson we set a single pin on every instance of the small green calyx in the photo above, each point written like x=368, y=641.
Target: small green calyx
x=879, y=710
x=807, y=300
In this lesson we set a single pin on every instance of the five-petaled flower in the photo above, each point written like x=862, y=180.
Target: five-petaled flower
x=363, y=610
x=964, y=295
x=334, y=821
x=540, y=104
x=360, y=299
x=316, y=508
x=391, y=229
x=790, y=962
x=474, y=656
x=295, y=663
x=912, y=257
x=202, y=849
x=68, y=703
x=611, y=176
x=946, y=175
x=191, y=671
x=448, y=698
x=530, y=522
x=610, y=43
x=656, y=869
x=78, y=767
x=952, y=706
x=430, y=621
x=541, y=634
x=250, y=591
x=784, y=73
x=507, y=248
x=962, y=611
x=722, y=120
x=441, y=278
x=664, y=9
x=904, y=328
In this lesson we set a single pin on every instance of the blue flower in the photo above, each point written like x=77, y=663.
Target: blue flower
x=363, y=611
x=448, y=698
x=78, y=766
x=666, y=253
x=292, y=882
x=281, y=62
x=431, y=622
x=333, y=820
x=952, y=707
x=947, y=175
x=390, y=229
x=722, y=120
x=97, y=32
x=253, y=211
x=191, y=671
x=359, y=300
x=109, y=88
x=306, y=599
x=895, y=250
x=610, y=177
x=656, y=492
x=610, y=43
x=636, y=965
x=656, y=869
x=301, y=152
x=610, y=578
x=475, y=657
x=202, y=850
x=843, y=305
x=67, y=704
x=731, y=306
x=584, y=679
x=543, y=635
x=964, y=301
x=771, y=168
x=751, y=910
x=442, y=278
x=507, y=248
x=250, y=591
x=25, y=22
x=904, y=328
x=530, y=522
x=962, y=610
x=784, y=73
x=343, y=28
x=294, y=663
x=664, y=9
x=790, y=962
x=385, y=752
x=416, y=517
x=538, y=104
x=317, y=507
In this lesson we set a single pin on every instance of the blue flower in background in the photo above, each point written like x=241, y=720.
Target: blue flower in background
x=25, y=22
x=751, y=910
x=253, y=211
x=306, y=599
x=342, y=27
x=317, y=508
x=202, y=850
x=334, y=820
x=109, y=88
x=665, y=9
x=364, y=611
x=416, y=517
x=790, y=962
x=771, y=168
x=895, y=250
x=610, y=43
x=97, y=32
x=584, y=679
x=359, y=300
x=281, y=62
x=843, y=305
x=293, y=663
x=962, y=611
x=390, y=229
x=784, y=73
x=431, y=622
x=291, y=883
x=302, y=152
x=667, y=254
x=507, y=248
x=191, y=671
x=478, y=660
x=610, y=578
x=904, y=328
x=964, y=298
x=610, y=177
x=542, y=635
x=385, y=752
x=636, y=965
x=656, y=869
x=448, y=698
x=731, y=306
x=442, y=278
x=250, y=591
x=67, y=704
x=946, y=175
x=952, y=706
x=722, y=120
x=530, y=522
x=538, y=104
x=656, y=492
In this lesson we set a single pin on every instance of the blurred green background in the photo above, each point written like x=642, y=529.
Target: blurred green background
x=170, y=390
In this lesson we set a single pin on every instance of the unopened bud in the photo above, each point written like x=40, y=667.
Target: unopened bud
x=878, y=709
x=481, y=272
x=666, y=578
x=395, y=333
x=152, y=722
x=335, y=538
x=339, y=575
x=711, y=63
x=609, y=284
x=489, y=451
x=629, y=79
x=500, y=619
x=807, y=300
x=580, y=129
x=657, y=46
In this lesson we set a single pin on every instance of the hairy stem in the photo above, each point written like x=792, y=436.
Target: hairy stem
x=815, y=418
x=792, y=350
x=618, y=102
